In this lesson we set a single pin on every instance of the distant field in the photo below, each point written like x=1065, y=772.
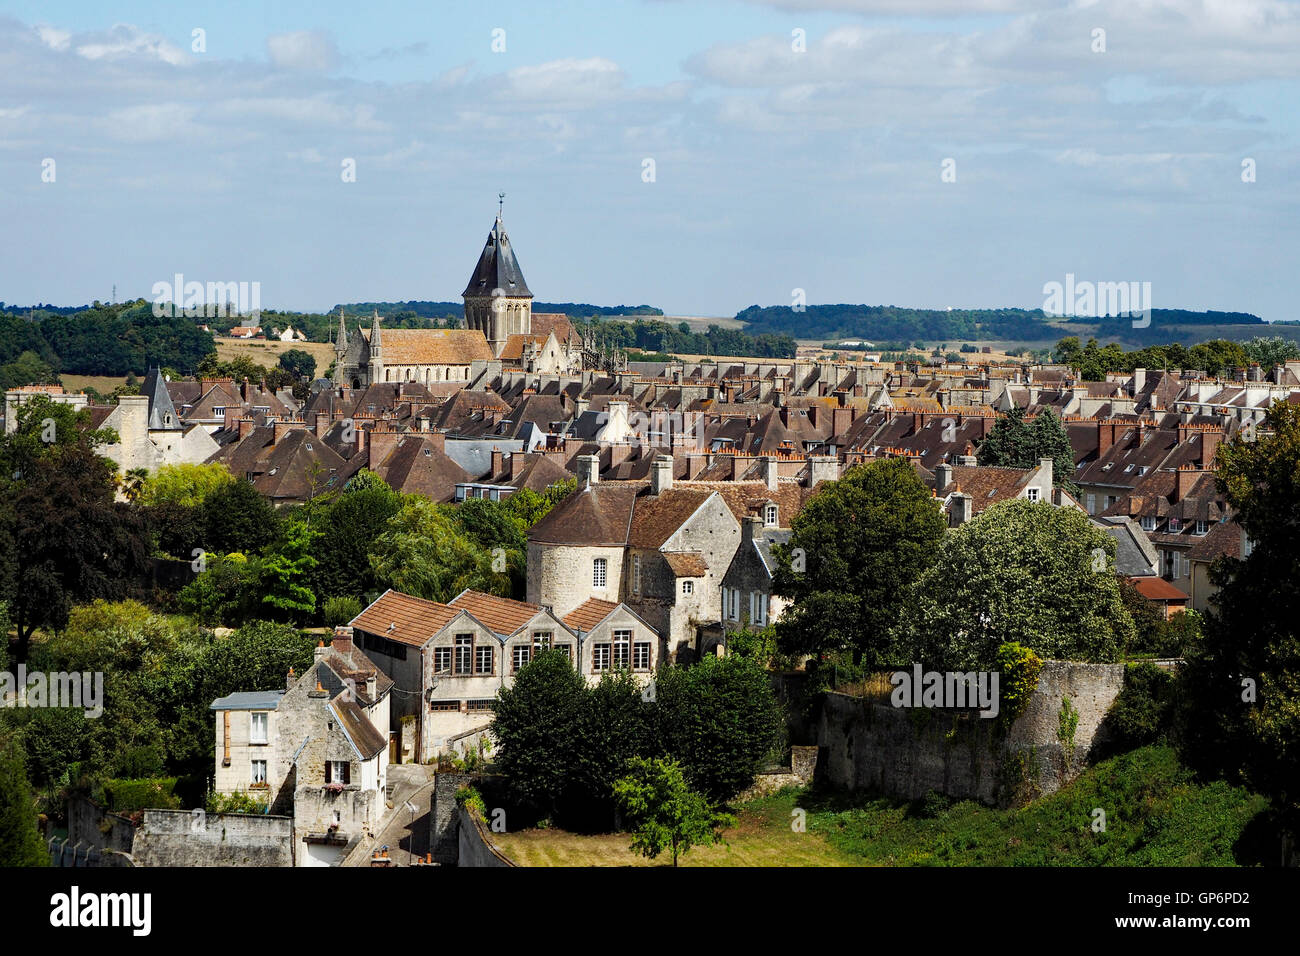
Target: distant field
x=101, y=383
x=268, y=353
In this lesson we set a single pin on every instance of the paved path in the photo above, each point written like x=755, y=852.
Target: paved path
x=405, y=833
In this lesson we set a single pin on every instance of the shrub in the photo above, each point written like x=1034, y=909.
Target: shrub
x=1142, y=713
x=1019, y=667
x=241, y=801
x=340, y=610
x=150, y=793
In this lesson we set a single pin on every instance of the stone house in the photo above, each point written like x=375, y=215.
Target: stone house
x=747, y=598
x=612, y=636
x=318, y=749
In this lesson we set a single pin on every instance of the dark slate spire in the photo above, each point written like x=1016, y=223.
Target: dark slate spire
x=497, y=267
x=162, y=413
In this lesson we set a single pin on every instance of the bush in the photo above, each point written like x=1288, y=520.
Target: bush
x=1019, y=667
x=150, y=793
x=241, y=801
x=1143, y=712
x=340, y=610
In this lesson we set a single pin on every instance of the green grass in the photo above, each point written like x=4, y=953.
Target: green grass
x=1155, y=815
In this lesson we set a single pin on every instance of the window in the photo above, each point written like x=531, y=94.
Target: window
x=523, y=653
x=541, y=641
x=688, y=587
x=483, y=659
x=338, y=771
x=566, y=650
x=622, y=645
x=1202, y=527
x=758, y=608
x=257, y=773
x=735, y=604
x=1175, y=525
x=479, y=706
x=218, y=411
x=257, y=728
x=1148, y=523
x=438, y=706
x=1092, y=504
x=636, y=574
x=598, y=569
x=1033, y=494
x=464, y=652
x=442, y=660
x=641, y=656
x=600, y=657
x=769, y=516
x=1110, y=500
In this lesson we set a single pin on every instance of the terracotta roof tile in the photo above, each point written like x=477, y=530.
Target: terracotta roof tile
x=432, y=346
x=687, y=564
x=589, y=614
x=414, y=620
x=503, y=615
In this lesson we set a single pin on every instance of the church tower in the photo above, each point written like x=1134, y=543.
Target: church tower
x=497, y=300
x=376, y=352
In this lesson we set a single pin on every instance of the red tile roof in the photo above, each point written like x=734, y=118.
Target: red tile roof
x=413, y=620
x=503, y=615
x=1158, y=589
x=589, y=614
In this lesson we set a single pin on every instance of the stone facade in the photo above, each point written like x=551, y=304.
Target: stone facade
x=563, y=577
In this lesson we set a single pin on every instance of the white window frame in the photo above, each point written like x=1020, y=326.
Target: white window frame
x=600, y=573
x=688, y=586
x=636, y=574
x=769, y=516
x=1034, y=494
x=620, y=640
x=253, y=736
x=254, y=777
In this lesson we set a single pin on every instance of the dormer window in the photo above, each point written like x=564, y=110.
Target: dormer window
x=1202, y=527
x=769, y=516
x=1175, y=525
x=1148, y=523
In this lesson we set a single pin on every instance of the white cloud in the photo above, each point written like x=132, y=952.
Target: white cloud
x=54, y=38
x=122, y=42
x=307, y=50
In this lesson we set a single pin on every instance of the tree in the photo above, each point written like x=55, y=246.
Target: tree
x=1021, y=572
x=20, y=840
x=1271, y=350
x=45, y=429
x=66, y=541
x=285, y=571
x=225, y=593
x=423, y=552
x=28, y=369
x=861, y=541
x=720, y=719
x=1017, y=442
x=535, y=728
x=347, y=528
x=1242, y=680
x=613, y=727
x=237, y=518
x=298, y=363
x=188, y=485
x=664, y=812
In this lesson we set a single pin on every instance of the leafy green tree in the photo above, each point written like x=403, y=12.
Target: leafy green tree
x=44, y=430
x=664, y=812
x=1242, y=680
x=1021, y=572
x=530, y=507
x=225, y=593
x=341, y=609
x=347, y=527
x=861, y=541
x=285, y=571
x=187, y=485
x=237, y=518
x=720, y=718
x=1271, y=350
x=20, y=840
x=1017, y=442
x=613, y=726
x=298, y=363
x=28, y=369
x=535, y=728
x=1218, y=356
x=425, y=553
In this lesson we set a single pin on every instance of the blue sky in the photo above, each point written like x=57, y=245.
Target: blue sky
x=775, y=169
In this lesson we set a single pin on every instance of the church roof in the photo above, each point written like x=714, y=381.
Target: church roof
x=162, y=413
x=497, y=267
x=432, y=346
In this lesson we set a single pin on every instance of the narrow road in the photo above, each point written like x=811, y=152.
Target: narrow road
x=405, y=833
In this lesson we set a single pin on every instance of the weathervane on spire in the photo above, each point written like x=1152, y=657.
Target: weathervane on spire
x=501, y=201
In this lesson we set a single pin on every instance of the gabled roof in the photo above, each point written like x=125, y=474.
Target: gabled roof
x=404, y=618
x=249, y=700
x=656, y=518
x=588, y=615
x=418, y=465
x=497, y=268
x=503, y=615
x=365, y=738
x=1158, y=589
x=162, y=413
x=432, y=346
x=593, y=516
x=687, y=564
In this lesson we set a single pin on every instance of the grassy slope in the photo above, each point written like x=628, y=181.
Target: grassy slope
x=1156, y=815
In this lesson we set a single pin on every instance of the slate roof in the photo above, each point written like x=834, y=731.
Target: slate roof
x=497, y=267
x=249, y=700
x=358, y=728
x=593, y=516
x=414, y=620
x=162, y=413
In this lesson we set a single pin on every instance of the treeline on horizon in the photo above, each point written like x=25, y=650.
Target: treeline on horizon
x=897, y=323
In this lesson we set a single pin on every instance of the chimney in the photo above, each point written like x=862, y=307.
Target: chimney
x=321, y=650
x=372, y=688
x=290, y=679
x=1210, y=439
x=918, y=420
x=1105, y=435
x=232, y=417
x=342, y=640
x=322, y=424
x=589, y=469
x=1188, y=475
x=696, y=464
x=814, y=411
x=822, y=468
x=942, y=477
x=383, y=439
x=1139, y=380
x=1045, y=467
x=661, y=474
x=841, y=419
x=963, y=507
x=282, y=428
x=245, y=427
x=967, y=461
x=750, y=528
x=770, y=472
x=498, y=463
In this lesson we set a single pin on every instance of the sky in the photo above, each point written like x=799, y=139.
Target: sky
x=701, y=156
